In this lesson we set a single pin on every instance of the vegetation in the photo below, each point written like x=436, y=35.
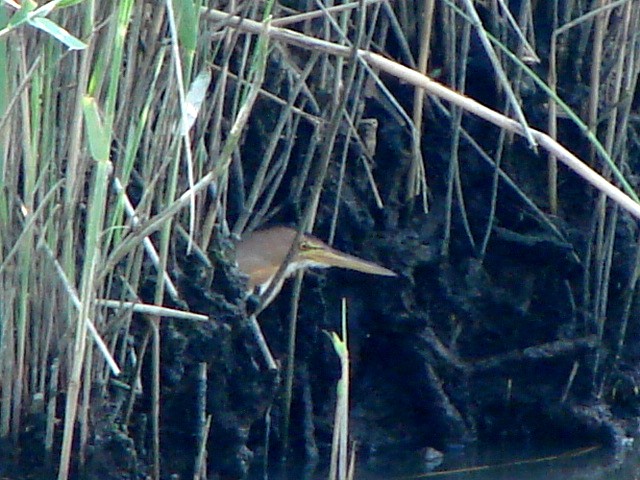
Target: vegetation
x=136, y=133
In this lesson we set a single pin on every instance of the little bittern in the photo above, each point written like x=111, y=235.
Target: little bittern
x=261, y=253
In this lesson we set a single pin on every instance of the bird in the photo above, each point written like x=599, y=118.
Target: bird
x=261, y=253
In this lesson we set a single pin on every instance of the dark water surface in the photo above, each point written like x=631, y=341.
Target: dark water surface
x=497, y=463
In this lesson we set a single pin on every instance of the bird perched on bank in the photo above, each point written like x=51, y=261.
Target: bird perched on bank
x=261, y=253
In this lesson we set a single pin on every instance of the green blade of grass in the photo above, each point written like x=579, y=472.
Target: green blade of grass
x=97, y=133
x=22, y=15
x=58, y=33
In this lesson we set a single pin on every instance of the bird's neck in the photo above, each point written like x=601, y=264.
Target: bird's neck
x=292, y=268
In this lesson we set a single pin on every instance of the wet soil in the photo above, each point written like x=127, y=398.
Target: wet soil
x=458, y=349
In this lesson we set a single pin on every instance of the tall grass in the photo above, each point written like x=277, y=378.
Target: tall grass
x=99, y=167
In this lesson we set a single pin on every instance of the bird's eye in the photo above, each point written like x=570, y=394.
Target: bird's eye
x=305, y=246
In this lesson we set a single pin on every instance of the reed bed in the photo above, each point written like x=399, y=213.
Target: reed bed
x=125, y=123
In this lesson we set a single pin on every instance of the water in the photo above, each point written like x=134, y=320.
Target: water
x=507, y=462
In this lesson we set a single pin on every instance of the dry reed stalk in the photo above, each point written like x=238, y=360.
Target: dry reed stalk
x=630, y=85
x=258, y=186
x=343, y=91
x=597, y=45
x=354, y=119
x=7, y=349
x=203, y=423
x=608, y=220
x=24, y=307
x=552, y=118
x=83, y=414
x=275, y=179
x=168, y=195
x=201, y=461
x=215, y=131
x=154, y=326
x=51, y=413
x=417, y=173
x=290, y=365
x=99, y=137
x=437, y=89
x=499, y=71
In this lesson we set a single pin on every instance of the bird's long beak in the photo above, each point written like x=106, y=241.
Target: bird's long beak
x=329, y=257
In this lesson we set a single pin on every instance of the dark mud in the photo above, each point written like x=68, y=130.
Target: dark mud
x=456, y=350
